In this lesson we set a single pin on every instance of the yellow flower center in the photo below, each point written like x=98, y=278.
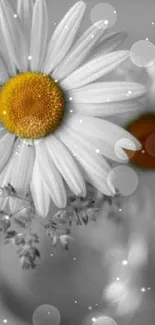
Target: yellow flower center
x=31, y=105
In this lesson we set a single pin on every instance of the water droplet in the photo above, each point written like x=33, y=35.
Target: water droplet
x=46, y=315
x=142, y=53
x=124, y=179
x=105, y=320
x=103, y=11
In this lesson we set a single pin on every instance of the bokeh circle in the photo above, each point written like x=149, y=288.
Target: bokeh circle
x=104, y=11
x=119, y=151
x=46, y=315
x=124, y=179
x=142, y=53
x=104, y=320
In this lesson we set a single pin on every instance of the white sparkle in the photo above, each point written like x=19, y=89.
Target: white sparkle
x=114, y=11
x=152, y=22
x=15, y=16
x=129, y=92
x=143, y=289
x=81, y=121
x=118, y=279
x=94, y=319
x=51, y=254
x=106, y=22
x=97, y=150
x=147, y=39
x=75, y=301
x=90, y=308
x=92, y=36
x=7, y=217
x=149, y=288
x=108, y=100
x=30, y=57
x=70, y=98
x=5, y=321
x=71, y=111
x=74, y=258
x=124, y=262
x=120, y=210
x=56, y=80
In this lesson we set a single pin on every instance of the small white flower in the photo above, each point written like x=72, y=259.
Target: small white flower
x=44, y=71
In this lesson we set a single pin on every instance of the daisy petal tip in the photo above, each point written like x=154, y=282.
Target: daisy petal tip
x=123, y=34
x=100, y=24
x=61, y=204
x=81, y=5
x=112, y=188
x=126, y=53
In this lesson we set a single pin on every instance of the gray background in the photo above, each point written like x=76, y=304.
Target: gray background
x=59, y=280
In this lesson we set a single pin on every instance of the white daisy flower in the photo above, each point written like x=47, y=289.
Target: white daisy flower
x=52, y=136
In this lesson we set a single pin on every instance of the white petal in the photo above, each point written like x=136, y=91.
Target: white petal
x=25, y=11
x=4, y=201
x=39, y=35
x=101, y=92
x=94, y=69
x=14, y=36
x=104, y=109
x=20, y=171
x=66, y=165
x=7, y=141
x=95, y=167
x=80, y=50
x=110, y=42
x=63, y=37
x=106, y=149
x=51, y=176
x=4, y=76
x=101, y=129
x=40, y=193
x=5, y=55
